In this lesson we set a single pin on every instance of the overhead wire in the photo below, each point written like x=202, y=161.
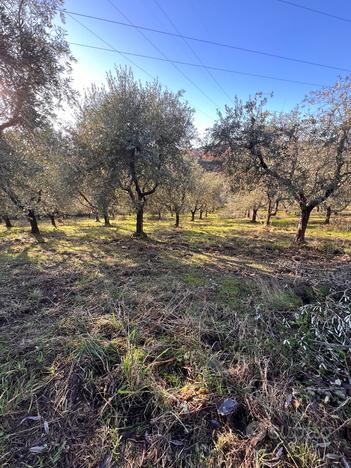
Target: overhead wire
x=191, y=64
x=315, y=10
x=194, y=53
x=112, y=48
x=214, y=43
x=123, y=54
x=174, y=64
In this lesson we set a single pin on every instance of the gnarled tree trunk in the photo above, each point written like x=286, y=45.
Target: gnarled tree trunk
x=200, y=214
x=254, y=215
x=193, y=215
x=271, y=212
x=303, y=223
x=177, y=221
x=33, y=222
x=139, y=228
x=52, y=220
x=328, y=214
x=106, y=219
x=268, y=218
x=7, y=221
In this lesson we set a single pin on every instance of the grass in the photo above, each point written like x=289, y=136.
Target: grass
x=122, y=349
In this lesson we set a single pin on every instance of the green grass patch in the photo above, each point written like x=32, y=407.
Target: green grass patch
x=232, y=291
x=280, y=299
x=127, y=347
x=195, y=278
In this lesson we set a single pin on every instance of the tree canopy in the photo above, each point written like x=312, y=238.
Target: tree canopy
x=35, y=62
x=135, y=132
x=306, y=151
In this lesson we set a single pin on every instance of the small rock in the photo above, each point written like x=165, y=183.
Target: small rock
x=228, y=406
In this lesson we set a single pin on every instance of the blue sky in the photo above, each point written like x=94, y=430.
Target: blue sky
x=266, y=25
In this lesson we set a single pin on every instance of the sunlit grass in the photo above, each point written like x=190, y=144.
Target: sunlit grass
x=206, y=229
x=107, y=334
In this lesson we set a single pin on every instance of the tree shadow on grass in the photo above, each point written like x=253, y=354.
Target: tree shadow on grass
x=53, y=298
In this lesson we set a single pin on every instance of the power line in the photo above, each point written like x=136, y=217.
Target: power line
x=215, y=43
x=197, y=57
x=125, y=56
x=113, y=49
x=314, y=10
x=191, y=64
x=179, y=70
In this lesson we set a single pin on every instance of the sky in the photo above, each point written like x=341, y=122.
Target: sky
x=269, y=26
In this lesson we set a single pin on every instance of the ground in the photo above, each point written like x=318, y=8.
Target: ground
x=117, y=351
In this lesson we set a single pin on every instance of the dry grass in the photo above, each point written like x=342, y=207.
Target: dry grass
x=122, y=349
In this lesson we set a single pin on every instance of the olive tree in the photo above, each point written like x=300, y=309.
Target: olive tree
x=177, y=187
x=215, y=192
x=93, y=185
x=35, y=65
x=20, y=173
x=7, y=210
x=338, y=202
x=34, y=62
x=198, y=190
x=208, y=192
x=157, y=205
x=31, y=177
x=306, y=152
x=275, y=196
x=138, y=131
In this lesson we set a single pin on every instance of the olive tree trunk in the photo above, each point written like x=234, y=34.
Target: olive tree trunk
x=302, y=226
x=33, y=222
x=139, y=228
x=268, y=218
x=328, y=215
x=271, y=212
x=254, y=215
x=106, y=219
x=52, y=220
x=7, y=221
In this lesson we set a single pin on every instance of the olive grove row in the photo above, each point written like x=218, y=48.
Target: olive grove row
x=130, y=144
